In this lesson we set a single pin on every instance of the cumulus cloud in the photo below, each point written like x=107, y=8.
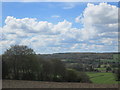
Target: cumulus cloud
x=99, y=32
x=29, y=31
x=100, y=21
x=102, y=17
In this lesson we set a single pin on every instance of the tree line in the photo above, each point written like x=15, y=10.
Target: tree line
x=20, y=62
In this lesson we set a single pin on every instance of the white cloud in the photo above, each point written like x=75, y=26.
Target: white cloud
x=70, y=5
x=98, y=33
x=77, y=19
x=55, y=16
x=99, y=19
x=29, y=31
x=100, y=16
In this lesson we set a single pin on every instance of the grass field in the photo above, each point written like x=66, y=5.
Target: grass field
x=102, y=77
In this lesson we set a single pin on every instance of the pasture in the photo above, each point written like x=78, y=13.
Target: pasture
x=102, y=77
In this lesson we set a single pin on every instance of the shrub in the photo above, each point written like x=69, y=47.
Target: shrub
x=71, y=75
x=83, y=77
x=75, y=76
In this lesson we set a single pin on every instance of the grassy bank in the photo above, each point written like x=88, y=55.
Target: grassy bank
x=102, y=77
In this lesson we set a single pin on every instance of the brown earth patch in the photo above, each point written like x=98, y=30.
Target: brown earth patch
x=42, y=84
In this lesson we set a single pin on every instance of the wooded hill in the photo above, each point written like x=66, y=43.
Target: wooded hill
x=79, y=55
x=87, y=61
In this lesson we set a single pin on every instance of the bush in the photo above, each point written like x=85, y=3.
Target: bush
x=83, y=77
x=71, y=75
x=75, y=76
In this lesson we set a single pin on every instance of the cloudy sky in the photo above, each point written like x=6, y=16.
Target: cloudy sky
x=60, y=26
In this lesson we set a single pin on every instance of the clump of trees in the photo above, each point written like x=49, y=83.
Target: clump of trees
x=19, y=62
x=22, y=63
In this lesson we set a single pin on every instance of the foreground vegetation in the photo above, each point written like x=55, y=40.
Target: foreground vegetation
x=21, y=63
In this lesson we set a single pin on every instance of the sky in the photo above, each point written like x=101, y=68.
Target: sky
x=60, y=0
x=57, y=27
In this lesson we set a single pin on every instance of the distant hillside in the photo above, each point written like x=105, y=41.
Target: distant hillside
x=85, y=61
x=78, y=55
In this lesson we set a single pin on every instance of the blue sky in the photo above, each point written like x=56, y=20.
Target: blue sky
x=61, y=27
x=43, y=11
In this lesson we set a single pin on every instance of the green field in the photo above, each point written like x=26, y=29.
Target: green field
x=102, y=77
x=101, y=69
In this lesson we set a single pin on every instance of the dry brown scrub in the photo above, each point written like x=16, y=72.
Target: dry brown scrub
x=40, y=84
